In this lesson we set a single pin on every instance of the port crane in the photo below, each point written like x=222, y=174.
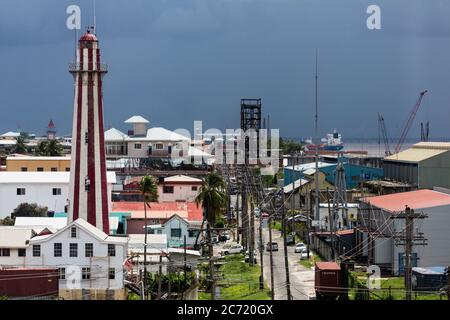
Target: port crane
x=408, y=124
x=382, y=133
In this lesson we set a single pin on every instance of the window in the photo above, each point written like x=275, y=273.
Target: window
x=86, y=273
x=20, y=191
x=111, y=250
x=24, y=169
x=168, y=189
x=159, y=146
x=56, y=191
x=194, y=188
x=62, y=273
x=67, y=169
x=193, y=233
x=89, y=250
x=138, y=146
x=57, y=249
x=22, y=252
x=175, y=233
x=112, y=273
x=40, y=169
x=73, y=250
x=36, y=250
x=5, y=252
x=54, y=169
x=73, y=232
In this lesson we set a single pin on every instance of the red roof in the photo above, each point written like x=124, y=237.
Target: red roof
x=327, y=266
x=194, y=212
x=418, y=199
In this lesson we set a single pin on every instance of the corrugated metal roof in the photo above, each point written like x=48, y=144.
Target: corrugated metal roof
x=297, y=184
x=14, y=237
x=182, y=178
x=311, y=165
x=57, y=223
x=327, y=266
x=420, y=152
x=418, y=199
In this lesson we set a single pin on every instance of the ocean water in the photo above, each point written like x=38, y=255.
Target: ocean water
x=376, y=148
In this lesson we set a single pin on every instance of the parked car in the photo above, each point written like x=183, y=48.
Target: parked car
x=215, y=239
x=290, y=240
x=264, y=215
x=223, y=238
x=237, y=248
x=247, y=256
x=304, y=254
x=299, y=247
x=272, y=247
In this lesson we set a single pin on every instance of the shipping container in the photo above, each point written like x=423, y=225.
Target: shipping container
x=328, y=280
x=29, y=283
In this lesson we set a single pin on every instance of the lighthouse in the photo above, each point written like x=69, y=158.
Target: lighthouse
x=88, y=198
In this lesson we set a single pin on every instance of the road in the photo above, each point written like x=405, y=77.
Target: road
x=301, y=278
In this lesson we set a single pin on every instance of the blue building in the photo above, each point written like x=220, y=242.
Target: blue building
x=354, y=174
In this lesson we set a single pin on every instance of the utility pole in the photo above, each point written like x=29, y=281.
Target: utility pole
x=185, y=260
x=316, y=174
x=272, y=284
x=160, y=276
x=244, y=217
x=251, y=252
x=261, y=254
x=408, y=240
x=286, y=260
x=332, y=223
x=237, y=218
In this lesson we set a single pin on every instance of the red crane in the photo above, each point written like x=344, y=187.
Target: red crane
x=408, y=124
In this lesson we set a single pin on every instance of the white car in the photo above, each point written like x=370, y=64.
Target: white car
x=304, y=254
x=237, y=248
x=299, y=247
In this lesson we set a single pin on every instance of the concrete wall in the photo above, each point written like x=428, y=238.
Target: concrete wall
x=181, y=192
x=17, y=164
x=40, y=193
x=435, y=172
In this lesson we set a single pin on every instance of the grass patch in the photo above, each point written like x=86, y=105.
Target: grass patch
x=276, y=225
x=313, y=257
x=240, y=280
x=392, y=288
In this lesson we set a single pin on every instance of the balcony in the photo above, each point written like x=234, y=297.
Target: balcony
x=76, y=67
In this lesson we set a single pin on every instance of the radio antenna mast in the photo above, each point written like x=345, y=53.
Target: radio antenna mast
x=95, y=17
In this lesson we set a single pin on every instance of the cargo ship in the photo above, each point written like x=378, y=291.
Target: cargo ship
x=332, y=142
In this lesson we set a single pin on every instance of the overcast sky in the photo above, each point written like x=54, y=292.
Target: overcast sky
x=176, y=61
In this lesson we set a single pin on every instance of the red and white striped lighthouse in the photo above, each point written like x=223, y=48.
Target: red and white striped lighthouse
x=88, y=197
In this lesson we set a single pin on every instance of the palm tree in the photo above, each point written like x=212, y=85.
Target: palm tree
x=213, y=197
x=49, y=148
x=149, y=191
x=20, y=145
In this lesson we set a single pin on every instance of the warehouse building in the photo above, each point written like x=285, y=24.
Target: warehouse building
x=375, y=221
x=425, y=165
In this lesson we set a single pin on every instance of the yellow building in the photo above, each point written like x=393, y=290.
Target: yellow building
x=38, y=164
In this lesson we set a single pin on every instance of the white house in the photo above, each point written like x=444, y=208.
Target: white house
x=87, y=258
x=178, y=189
x=176, y=228
x=13, y=245
x=49, y=189
x=141, y=142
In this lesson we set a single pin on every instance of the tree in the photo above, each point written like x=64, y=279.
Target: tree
x=20, y=146
x=8, y=221
x=29, y=210
x=49, y=148
x=149, y=191
x=290, y=146
x=213, y=197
